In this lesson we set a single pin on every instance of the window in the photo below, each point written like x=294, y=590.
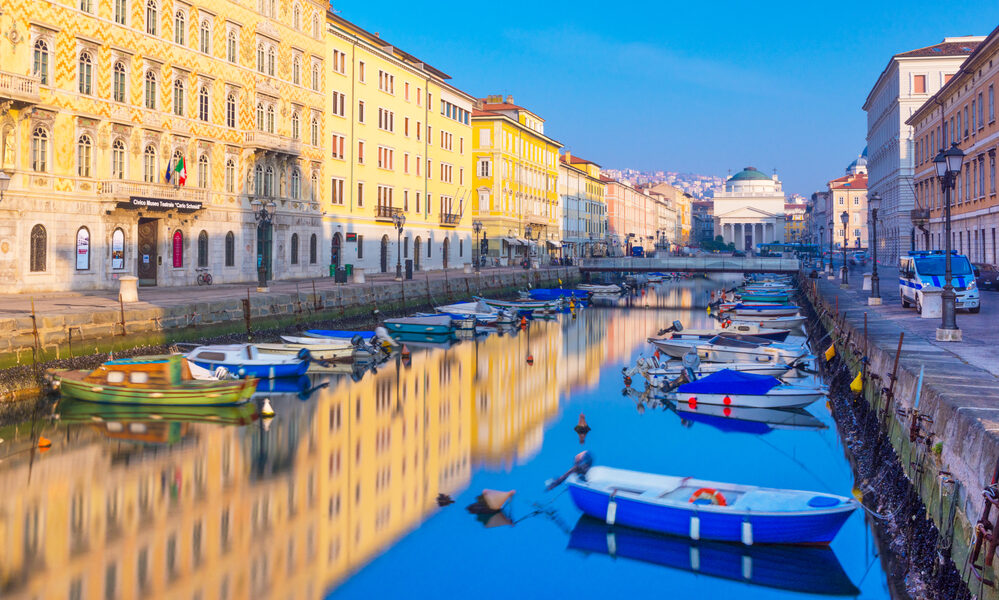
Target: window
x=992, y=104
x=271, y=60
x=117, y=249
x=258, y=181
x=151, y=12
x=203, y=249
x=314, y=132
x=230, y=176
x=360, y=246
x=205, y=39
x=230, y=47
x=385, y=158
x=296, y=126
x=149, y=167
x=294, y=248
x=260, y=58
x=296, y=184
x=296, y=17
x=360, y=152
x=981, y=111
x=296, y=70
x=203, y=171
x=314, y=188
x=120, y=11
x=269, y=181
x=118, y=159
x=179, y=24
x=85, y=74
x=151, y=90
x=83, y=249
x=992, y=173
x=178, y=98
x=338, y=141
x=338, y=104
x=230, y=111
x=315, y=26
x=313, y=249
x=40, y=65
x=386, y=82
x=484, y=168
x=38, y=249
x=40, y=150
x=360, y=194
x=339, y=62
x=84, y=150
x=360, y=71
x=119, y=82
x=230, y=249
x=337, y=191
x=203, y=103
x=315, y=77
x=270, y=118
x=919, y=84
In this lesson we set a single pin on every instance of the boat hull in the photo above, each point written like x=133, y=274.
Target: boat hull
x=260, y=371
x=206, y=393
x=812, y=527
x=776, y=398
x=659, y=377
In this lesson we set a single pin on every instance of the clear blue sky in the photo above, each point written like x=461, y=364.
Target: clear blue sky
x=703, y=87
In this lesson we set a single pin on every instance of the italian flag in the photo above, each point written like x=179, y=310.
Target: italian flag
x=181, y=170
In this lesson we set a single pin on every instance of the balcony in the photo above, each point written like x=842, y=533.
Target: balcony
x=19, y=88
x=450, y=219
x=270, y=142
x=384, y=212
x=151, y=196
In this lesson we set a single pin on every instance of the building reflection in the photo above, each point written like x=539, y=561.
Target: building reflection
x=229, y=506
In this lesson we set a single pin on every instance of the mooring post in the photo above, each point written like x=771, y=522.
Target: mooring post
x=246, y=315
x=121, y=308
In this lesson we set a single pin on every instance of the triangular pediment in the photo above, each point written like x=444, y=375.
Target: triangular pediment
x=746, y=211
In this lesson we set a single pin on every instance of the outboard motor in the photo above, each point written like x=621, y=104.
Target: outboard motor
x=691, y=362
x=357, y=341
x=581, y=464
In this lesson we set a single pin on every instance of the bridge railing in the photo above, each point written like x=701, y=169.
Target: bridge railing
x=708, y=264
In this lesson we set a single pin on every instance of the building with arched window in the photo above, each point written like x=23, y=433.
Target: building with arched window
x=749, y=210
x=112, y=149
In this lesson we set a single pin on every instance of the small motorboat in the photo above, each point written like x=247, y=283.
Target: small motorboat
x=738, y=388
x=765, y=322
x=482, y=312
x=521, y=305
x=708, y=510
x=246, y=360
x=151, y=380
x=337, y=334
x=555, y=294
x=761, y=297
x=742, y=419
x=803, y=569
x=730, y=347
x=757, y=310
x=436, y=325
x=755, y=328
x=774, y=335
x=600, y=289
x=322, y=351
x=659, y=376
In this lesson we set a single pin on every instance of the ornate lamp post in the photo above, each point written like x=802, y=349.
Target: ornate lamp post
x=264, y=220
x=399, y=220
x=948, y=163
x=4, y=183
x=873, y=204
x=477, y=228
x=844, y=217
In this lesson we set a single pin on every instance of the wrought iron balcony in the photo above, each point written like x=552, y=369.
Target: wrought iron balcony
x=450, y=219
x=384, y=212
x=270, y=142
x=19, y=88
x=152, y=196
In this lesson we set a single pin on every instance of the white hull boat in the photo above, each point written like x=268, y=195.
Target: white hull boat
x=765, y=323
x=729, y=349
x=734, y=388
x=327, y=351
x=659, y=376
x=600, y=289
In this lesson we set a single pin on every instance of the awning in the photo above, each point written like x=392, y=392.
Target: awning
x=552, y=244
x=511, y=241
x=523, y=242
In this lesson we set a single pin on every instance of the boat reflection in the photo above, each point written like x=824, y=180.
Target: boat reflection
x=150, y=424
x=805, y=569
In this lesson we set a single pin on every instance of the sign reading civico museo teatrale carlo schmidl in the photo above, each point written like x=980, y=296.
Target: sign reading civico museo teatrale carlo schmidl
x=136, y=202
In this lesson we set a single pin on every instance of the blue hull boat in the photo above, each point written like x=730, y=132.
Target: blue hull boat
x=244, y=360
x=436, y=326
x=807, y=570
x=709, y=510
x=556, y=293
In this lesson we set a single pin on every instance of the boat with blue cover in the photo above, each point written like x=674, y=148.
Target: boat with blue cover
x=770, y=310
x=708, y=510
x=245, y=360
x=437, y=328
x=339, y=334
x=739, y=388
x=803, y=569
x=555, y=294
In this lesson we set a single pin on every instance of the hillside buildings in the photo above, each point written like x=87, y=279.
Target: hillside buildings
x=750, y=209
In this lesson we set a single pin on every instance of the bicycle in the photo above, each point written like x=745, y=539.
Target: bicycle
x=204, y=277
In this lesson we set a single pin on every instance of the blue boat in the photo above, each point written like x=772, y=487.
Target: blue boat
x=556, y=293
x=436, y=328
x=339, y=334
x=245, y=360
x=708, y=510
x=803, y=569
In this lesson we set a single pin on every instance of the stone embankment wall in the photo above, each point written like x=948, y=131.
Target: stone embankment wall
x=954, y=451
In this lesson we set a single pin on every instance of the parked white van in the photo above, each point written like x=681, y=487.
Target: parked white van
x=921, y=269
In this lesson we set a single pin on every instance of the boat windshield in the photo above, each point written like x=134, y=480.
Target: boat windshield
x=934, y=266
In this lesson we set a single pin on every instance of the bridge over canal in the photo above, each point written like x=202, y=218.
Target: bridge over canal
x=691, y=264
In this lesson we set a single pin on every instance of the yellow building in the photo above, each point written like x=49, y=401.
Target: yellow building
x=99, y=101
x=684, y=216
x=516, y=180
x=398, y=143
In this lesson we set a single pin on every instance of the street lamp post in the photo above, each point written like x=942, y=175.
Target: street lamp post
x=477, y=228
x=873, y=204
x=822, y=236
x=399, y=220
x=948, y=163
x=831, y=276
x=844, y=217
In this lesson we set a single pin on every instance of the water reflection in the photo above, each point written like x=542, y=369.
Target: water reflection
x=218, y=505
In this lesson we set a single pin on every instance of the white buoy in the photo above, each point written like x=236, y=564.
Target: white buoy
x=267, y=411
x=695, y=528
x=611, y=512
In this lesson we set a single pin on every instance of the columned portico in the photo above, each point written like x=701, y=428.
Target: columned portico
x=750, y=210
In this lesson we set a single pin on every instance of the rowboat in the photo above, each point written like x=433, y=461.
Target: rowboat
x=438, y=326
x=338, y=334
x=764, y=297
x=709, y=510
x=554, y=294
x=802, y=569
x=521, y=305
x=245, y=360
x=331, y=350
x=757, y=310
x=482, y=312
x=151, y=380
x=738, y=388
x=600, y=289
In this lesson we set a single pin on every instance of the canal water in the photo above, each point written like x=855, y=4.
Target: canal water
x=338, y=495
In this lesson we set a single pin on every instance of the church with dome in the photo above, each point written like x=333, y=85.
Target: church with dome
x=749, y=210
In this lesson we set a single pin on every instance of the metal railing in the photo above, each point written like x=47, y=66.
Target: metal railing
x=386, y=212
x=121, y=189
x=450, y=218
x=702, y=264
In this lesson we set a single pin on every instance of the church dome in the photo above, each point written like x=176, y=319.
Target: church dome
x=750, y=174
x=859, y=165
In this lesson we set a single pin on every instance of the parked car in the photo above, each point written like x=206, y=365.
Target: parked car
x=987, y=276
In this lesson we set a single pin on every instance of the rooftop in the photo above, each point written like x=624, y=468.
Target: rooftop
x=948, y=47
x=750, y=174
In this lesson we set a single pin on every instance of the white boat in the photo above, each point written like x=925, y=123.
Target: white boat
x=327, y=351
x=730, y=348
x=659, y=376
x=749, y=420
x=767, y=322
x=600, y=289
x=482, y=312
x=245, y=360
x=521, y=305
x=735, y=388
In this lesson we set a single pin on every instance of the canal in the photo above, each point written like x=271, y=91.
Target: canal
x=337, y=496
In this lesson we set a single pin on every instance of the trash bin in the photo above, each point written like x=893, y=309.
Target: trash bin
x=341, y=275
x=333, y=271
x=409, y=268
x=350, y=269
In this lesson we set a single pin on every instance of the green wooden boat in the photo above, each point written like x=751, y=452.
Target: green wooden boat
x=152, y=381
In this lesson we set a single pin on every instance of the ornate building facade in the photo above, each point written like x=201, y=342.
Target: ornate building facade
x=158, y=138
x=750, y=209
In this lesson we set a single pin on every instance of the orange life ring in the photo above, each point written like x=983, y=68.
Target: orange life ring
x=712, y=494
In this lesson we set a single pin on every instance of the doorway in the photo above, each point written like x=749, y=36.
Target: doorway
x=417, y=245
x=385, y=249
x=147, y=256
x=335, y=250
x=447, y=251
x=264, y=245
